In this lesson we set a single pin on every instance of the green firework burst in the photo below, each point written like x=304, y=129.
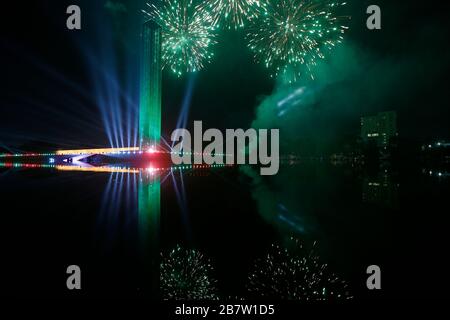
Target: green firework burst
x=232, y=13
x=292, y=35
x=188, y=34
x=186, y=275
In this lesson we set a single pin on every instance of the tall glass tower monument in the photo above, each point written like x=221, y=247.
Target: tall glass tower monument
x=150, y=89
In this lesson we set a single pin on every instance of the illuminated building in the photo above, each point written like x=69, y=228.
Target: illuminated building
x=379, y=128
x=150, y=90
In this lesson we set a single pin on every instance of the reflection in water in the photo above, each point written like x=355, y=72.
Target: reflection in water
x=85, y=167
x=437, y=172
x=280, y=202
x=187, y=275
x=295, y=273
x=112, y=202
x=124, y=193
x=180, y=193
x=310, y=201
x=380, y=190
x=131, y=198
x=25, y=165
x=149, y=197
x=97, y=169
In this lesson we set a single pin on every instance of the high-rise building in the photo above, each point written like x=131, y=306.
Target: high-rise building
x=379, y=128
x=150, y=89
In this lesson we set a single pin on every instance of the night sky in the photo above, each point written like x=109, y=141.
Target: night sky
x=67, y=89
x=51, y=77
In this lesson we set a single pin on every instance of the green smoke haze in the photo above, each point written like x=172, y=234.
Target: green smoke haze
x=315, y=115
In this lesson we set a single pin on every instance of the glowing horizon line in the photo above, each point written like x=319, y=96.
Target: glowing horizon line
x=97, y=169
x=96, y=151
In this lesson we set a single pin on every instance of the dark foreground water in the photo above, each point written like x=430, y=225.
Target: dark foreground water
x=101, y=222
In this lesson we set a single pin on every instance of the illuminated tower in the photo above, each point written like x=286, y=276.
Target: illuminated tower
x=150, y=90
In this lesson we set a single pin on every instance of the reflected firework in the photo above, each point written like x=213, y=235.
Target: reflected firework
x=294, y=33
x=186, y=275
x=188, y=34
x=295, y=274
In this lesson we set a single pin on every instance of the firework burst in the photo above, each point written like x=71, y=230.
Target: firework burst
x=186, y=275
x=232, y=13
x=188, y=34
x=292, y=35
x=297, y=274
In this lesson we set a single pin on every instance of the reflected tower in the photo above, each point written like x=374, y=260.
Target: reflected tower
x=150, y=88
x=149, y=197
